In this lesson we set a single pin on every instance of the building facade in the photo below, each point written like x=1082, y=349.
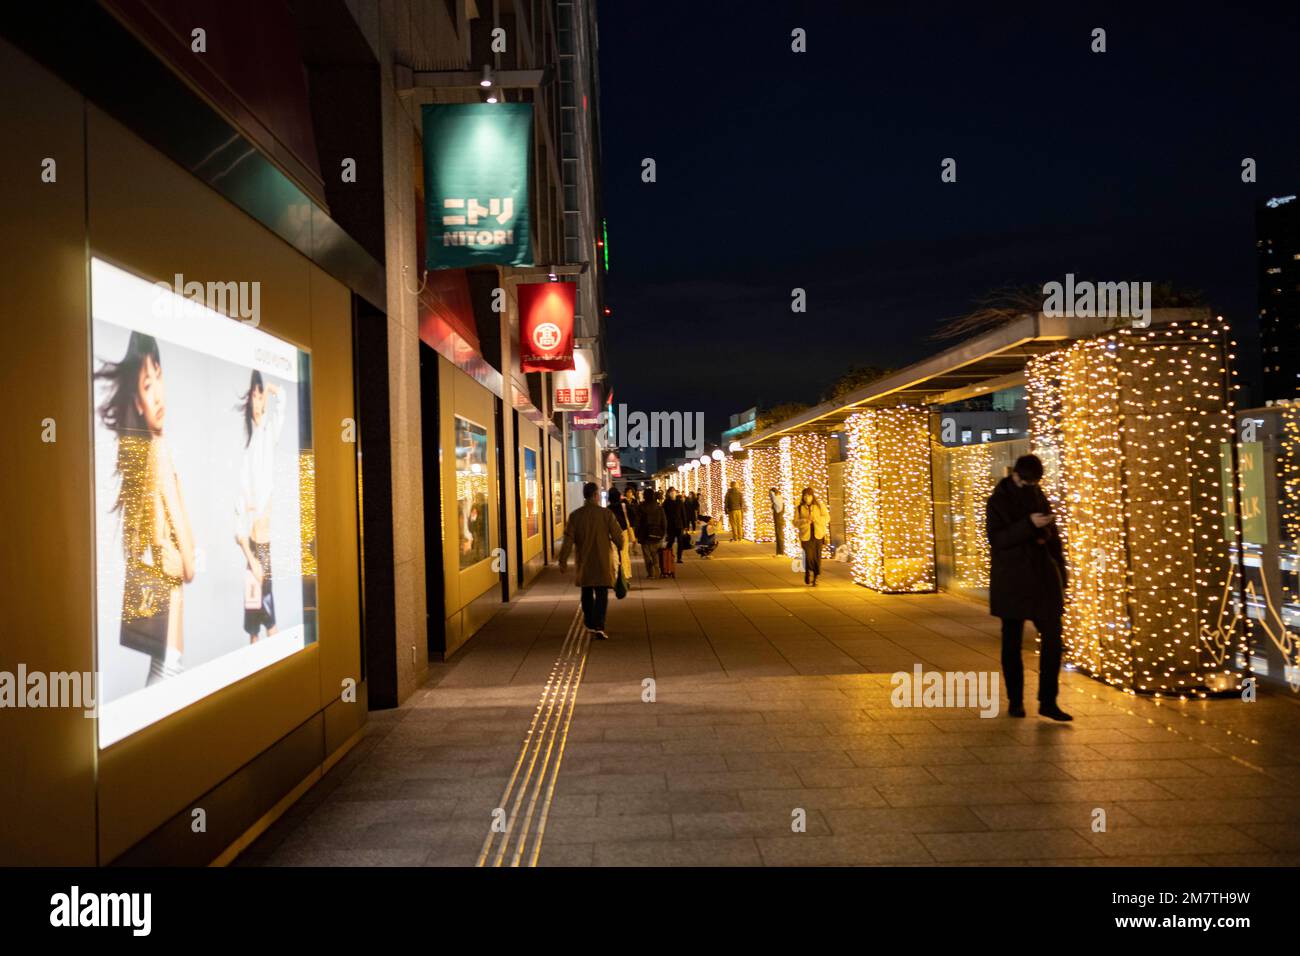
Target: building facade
x=1277, y=228
x=283, y=459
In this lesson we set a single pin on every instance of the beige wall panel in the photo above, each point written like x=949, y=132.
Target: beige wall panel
x=149, y=216
x=160, y=771
x=337, y=598
x=446, y=456
x=470, y=400
x=47, y=798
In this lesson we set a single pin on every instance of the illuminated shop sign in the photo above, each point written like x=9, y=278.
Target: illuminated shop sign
x=546, y=326
x=476, y=158
x=573, y=392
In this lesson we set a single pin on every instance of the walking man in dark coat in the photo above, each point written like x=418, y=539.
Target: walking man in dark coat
x=1026, y=581
x=593, y=534
x=651, y=527
x=675, y=516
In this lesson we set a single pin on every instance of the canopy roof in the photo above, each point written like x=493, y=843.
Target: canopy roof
x=985, y=363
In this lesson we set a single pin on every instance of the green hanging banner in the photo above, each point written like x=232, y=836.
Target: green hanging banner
x=476, y=158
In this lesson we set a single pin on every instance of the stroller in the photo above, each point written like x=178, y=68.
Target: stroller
x=708, y=540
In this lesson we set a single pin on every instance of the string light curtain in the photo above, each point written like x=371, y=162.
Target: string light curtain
x=803, y=465
x=1288, y=464
x=729, y=472
x=1131, y=427
x=970, y=482
x=716, y=469
x=737, y=469
x=889, y=510
x=1270, y=601
x=762, y=473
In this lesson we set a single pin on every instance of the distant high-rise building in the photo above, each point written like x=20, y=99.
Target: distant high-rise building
x=638, y=458
x=742, y=424
x=1277, y=231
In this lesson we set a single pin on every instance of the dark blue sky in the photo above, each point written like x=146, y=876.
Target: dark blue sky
x=821, y=170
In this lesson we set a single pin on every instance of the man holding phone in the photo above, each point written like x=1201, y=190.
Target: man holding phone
x=1026, y=581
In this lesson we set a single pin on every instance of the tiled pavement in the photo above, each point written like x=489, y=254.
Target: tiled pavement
x=771, y=698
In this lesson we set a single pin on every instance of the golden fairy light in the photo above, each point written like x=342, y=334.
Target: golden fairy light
x=1289, y=471
x=1131, y=427
x=802, y=465
x=970, y=483
x=762, y=474
x=715, y=491
x=1269, y=608
x=889, y=510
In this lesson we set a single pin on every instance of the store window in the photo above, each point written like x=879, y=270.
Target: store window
x=532, y=494
x=557, y=493
x=472, y=492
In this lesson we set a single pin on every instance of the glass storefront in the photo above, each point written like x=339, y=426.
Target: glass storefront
x=472, y=511
x=532, y=495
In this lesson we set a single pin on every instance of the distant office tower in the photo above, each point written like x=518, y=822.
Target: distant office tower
x=1277, y=229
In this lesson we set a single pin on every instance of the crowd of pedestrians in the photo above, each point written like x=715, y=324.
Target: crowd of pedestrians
x=657, y=525
x=1027, y=566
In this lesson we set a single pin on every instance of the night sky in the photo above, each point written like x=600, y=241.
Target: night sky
x=821, y=170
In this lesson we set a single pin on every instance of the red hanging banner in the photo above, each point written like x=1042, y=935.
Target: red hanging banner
x=546, y=326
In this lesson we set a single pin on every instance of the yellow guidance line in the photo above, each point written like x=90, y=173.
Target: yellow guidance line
x=568, y=700
x=550, y=787
x=548, y=731
x=570, y=639
x=550, y=723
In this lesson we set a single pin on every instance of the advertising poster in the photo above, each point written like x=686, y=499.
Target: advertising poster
x=532, y=495
x=204, y=499
x=472, y=504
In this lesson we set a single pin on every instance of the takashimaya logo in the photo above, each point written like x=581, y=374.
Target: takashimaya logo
x=238, y=300
x=1128, y=300
x=547, y=336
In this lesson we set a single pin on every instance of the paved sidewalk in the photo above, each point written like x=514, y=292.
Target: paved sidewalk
x=772, y=704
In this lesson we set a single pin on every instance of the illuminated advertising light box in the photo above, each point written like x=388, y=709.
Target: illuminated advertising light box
x=204, y=500
x=572, y=388
x=546, y=326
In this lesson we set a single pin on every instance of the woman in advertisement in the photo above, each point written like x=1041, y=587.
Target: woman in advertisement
x=262, y=428
x=157, y=541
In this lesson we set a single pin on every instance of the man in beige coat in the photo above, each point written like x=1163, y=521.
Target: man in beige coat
x=590, y=532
